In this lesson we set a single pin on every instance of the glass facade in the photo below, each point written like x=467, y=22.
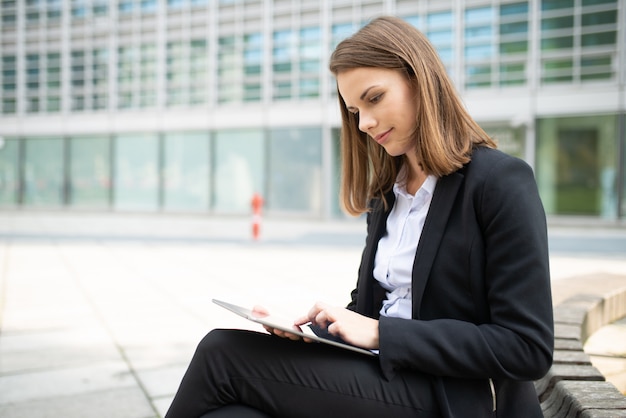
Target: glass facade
x=44, y=163
x=233, y=97
x=578, y=165
x=136, y=178
x=9, y=171
x=295, y=182
x=186, y=171
x=239, y=169
x=89, y=172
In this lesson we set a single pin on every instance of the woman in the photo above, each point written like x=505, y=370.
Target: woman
x=453, y=287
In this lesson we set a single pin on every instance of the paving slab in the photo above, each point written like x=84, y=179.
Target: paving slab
x=126, y=402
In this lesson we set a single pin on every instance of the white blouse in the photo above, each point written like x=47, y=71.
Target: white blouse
x=393, y=264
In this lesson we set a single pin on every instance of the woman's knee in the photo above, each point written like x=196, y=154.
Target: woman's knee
x=226, y=340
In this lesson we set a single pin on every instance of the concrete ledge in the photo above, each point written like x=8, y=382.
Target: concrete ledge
x=573, y=387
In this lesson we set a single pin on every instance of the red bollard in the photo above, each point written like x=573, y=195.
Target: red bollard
x=257, y=205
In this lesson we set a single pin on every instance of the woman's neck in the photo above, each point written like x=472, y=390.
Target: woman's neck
x=415, y=176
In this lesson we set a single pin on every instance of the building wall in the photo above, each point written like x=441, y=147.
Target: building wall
x=194, y=105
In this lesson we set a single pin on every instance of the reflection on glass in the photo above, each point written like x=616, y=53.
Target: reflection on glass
x=43, y=172
x=577, y=165
x=439, y=19
x=186, y=171
x=90, y=172
x=295, y=173
x=9, y=174
x=136, y=177
x=238, y=162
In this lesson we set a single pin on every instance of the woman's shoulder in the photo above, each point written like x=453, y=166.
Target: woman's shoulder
x=485, y=159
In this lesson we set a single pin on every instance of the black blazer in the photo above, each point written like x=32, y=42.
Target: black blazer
x=482, y=310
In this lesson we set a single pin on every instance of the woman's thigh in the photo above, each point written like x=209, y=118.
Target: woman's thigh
x=298, y=379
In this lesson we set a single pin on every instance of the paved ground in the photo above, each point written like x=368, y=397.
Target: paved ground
x=100, y=313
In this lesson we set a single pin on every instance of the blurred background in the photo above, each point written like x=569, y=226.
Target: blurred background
x=192, y=106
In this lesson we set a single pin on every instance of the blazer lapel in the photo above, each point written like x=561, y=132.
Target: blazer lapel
x=371, y=294
x=434, y=226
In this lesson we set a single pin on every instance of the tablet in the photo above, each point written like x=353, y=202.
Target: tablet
x=305, y=331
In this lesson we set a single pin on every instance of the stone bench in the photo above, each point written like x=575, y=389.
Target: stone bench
x=574, y=387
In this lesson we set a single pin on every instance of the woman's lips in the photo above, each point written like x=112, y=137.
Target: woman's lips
x=381, y=138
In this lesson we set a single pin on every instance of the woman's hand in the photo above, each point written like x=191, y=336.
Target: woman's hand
x=350, y=326
x=260, y=312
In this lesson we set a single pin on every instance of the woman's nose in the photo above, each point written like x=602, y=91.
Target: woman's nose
x=366, y=122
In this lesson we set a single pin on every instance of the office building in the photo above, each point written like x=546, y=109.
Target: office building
x=192, y=106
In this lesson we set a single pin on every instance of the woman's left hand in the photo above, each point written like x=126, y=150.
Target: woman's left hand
x=352, y=327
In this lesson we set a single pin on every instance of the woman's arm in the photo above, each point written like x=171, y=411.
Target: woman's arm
x=517, y=340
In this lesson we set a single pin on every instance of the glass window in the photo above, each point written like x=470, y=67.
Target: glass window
x=9, y=76
x=477, y=76
x=198, y=71
x=100, y=7
x=175, y=4
x=439, y=19
x=147, y=93
x=414, y=20
x=556, y=4
x=295, y=177
x=555, y=23
x=512, y=74
x=125, y=6
x=230, y=69
x=557, y=70
x=9, y=174
x=32, y=105
x=282, y=90
x=79, y=9
x=148, y=6
x=564, y=42
x=90, y=172
x=309, y=88
x=340, y=32
x=136, y=179
x=479, y=14
x=594, y=2
x=514, y=9
x=440, y=37
x=576, y=165
x=43, y=172
x=599, y=18
x=478, y=52
x=239, y=160
x=9, y=105
x=514, y=28
x=509, y=140
x=475, y=33
x=252, y=91
x=9, y=19
x=603, y=38
x=518, y=47
x=53, y=104
x=596, y=67
x=186, y=172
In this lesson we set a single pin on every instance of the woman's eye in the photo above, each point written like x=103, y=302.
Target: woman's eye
x=376, y=98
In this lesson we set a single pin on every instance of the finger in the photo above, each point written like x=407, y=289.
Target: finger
x=260, y=311
x=301, y=321
x=322, y=318
x=315, y=310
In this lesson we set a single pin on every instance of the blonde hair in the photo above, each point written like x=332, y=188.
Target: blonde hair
x=445, y=133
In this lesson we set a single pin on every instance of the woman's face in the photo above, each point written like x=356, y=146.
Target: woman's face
x=385, y=105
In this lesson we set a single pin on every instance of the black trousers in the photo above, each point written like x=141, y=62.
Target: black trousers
x=282, y=378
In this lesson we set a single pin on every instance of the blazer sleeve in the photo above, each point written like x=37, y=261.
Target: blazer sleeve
x=516, y=342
